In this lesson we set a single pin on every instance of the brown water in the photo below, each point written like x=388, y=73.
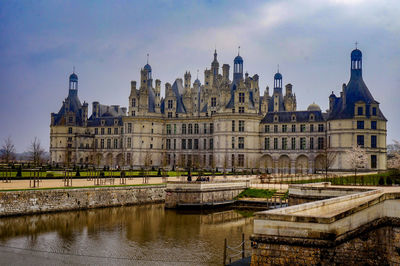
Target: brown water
x=134, y=235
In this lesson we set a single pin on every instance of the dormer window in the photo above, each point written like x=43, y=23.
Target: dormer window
x=275, y=118
x=311, y=117
x=103, y=122
x=360, y=110
x=374, y=111
x=116, y=122
x=293, y=118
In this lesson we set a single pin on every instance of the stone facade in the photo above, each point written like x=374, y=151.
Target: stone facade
x=40, y=201
x=223, y=123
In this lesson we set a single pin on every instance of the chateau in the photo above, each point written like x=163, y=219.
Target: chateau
x=222, y=123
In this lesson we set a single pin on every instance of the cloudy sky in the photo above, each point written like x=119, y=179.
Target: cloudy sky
x=107, y=42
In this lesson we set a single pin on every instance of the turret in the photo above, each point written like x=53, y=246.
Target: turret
x=237, y=68
x=225, y=71
x=187, y=80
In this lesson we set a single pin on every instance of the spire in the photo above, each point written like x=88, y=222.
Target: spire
x=147, y=58
x=278, y=68
x=197, y=74
x=73, y=69
x=356, y=44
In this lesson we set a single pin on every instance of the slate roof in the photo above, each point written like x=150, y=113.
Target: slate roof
x=71, y=104
x=301, y=116
x=178, y=90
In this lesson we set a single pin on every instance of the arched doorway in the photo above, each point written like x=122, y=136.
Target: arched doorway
x=109, y=160
x=120, y=160
x=98, y=159
x=319, y=163
x=284, y=164
x=266, y=164
x=302, y=164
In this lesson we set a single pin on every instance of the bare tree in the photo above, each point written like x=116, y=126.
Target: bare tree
x=357, y=158
x=328, y=158
x=36, y=151
x=394, y=155
x=7, y=151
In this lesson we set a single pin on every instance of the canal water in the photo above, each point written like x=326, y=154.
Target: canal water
x=132, y=235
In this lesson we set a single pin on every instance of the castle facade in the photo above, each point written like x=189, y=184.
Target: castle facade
x=222, y=123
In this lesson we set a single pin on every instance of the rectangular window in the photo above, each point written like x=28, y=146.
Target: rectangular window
x=266, y=143
x=213, y=102
x=373, y=124
x=109, y=131
x=275, y=143
x=360, y=140
x=241, y=97
x=311, y=143
x=373, y=161
x=129, y=143
x=168, y=129
x=133, y=102
x=241, y=142
x=266, y=128
x=168, y=144
x=233, y=125
x=211, y=160
x=360, y=124
x=196, y=128
x=373, y=141
x=275, y=128
x=284, y=128
x=320, y=127
x=311, y=128
x=211, y=128
x=190, y=142
x=360, y=111
x=233, y=160
x=320, y=143
x=374, y=111
x=204, y=144
x=170, y=104
x=211, y=144
x=293, y=143
x=196, y=144
x=205, y=128
x=241, y=125
x=241, y=160
x=70, y=130
x=169, y=114
x=102, y=143
x=293, y=128
x=183, y=128
x=168, y=159
x=129, y=128
x=284, y=143
x=233, y=142
x=109, y=144
x=302, y=128
x=115, y=143
x=174, y=128
x=96, y=143
x=128, y=158
x=116, y=131
x=241, y=110
x=302, y=143
x=96, y=131
x=183, y=144
x=174, y=144
x=190, y=129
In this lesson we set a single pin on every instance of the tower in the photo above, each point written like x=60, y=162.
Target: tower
x=237, y=68
x=356, y=63
x=73, y=82
x=215, y=65
x=188, y=77
x=277, y=95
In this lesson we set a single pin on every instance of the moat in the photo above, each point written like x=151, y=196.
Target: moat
x=133, y=235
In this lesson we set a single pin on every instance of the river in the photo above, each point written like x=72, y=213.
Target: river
x=131, y=235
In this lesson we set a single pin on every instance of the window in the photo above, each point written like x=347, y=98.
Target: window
x=128, y=158
x=373, y=141
x=169, y=114
x=109, y=131
x=133, y=102
x=233, y=160
x=360, y=124
x=373, y=161
x=129, y=128
x=168, y=159
x=241, y=97
x=293, y=143
x=70, y=119
x=168, y=144
x=70, y=130
x=284, y=128
x=96, y=131
x=211, y=144
x=115, y=143
x=204, y=144
x=170, y=104
x=360, y=140
x=109, y=144
x=233, y=142
x=241, y=125
x=213, y=102
x=190, y=143
x=284, y=143
x=320, y=127
x=373, y=124
x=174, y=144
x=205, y=128
x=311, y=128
x=266, y=143
x=241, y=143
x=302, y=128
x=133, y=113
x=102, y=143
x=374, y=111
x=196, y=144
x=115, y=131
x=168, y=129
x=96, y=143
x=211, y=128
x=129, y=143
x=266, y=128
x=211, y=160
x=241, y=160
x=293, y=128
x=275, y=143
x=311, y=143
x=190, y=129
x=320, y=143
x=302, y=143
x=241, y=110
x=233, y=125
x=233, y=110
x=360, y=111
x=275, y=128
x=183, y=144
x=196, y=128
x=183, y=128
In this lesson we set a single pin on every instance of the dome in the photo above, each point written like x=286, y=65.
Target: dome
x=313, y=107
x=73, y=77
x=238, y=60
x=278, y=76
x=356, y=55
x=197, y=82
x=147, y=67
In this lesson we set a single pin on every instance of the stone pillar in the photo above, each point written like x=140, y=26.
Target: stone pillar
x=311, y=166
x=293, y=166
x=276, y=167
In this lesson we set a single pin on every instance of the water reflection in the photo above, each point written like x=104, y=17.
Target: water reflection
x=145, y=234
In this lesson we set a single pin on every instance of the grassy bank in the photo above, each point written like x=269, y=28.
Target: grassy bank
x=256, y=193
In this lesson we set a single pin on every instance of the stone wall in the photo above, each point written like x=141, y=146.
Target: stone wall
x=39, y=201
x=377, y=246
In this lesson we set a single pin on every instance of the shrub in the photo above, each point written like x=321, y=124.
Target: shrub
x=19, y=172
x=159, y=172
x=381, y=181
x=389, y=181
x=77, y=172
x=49, y=175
